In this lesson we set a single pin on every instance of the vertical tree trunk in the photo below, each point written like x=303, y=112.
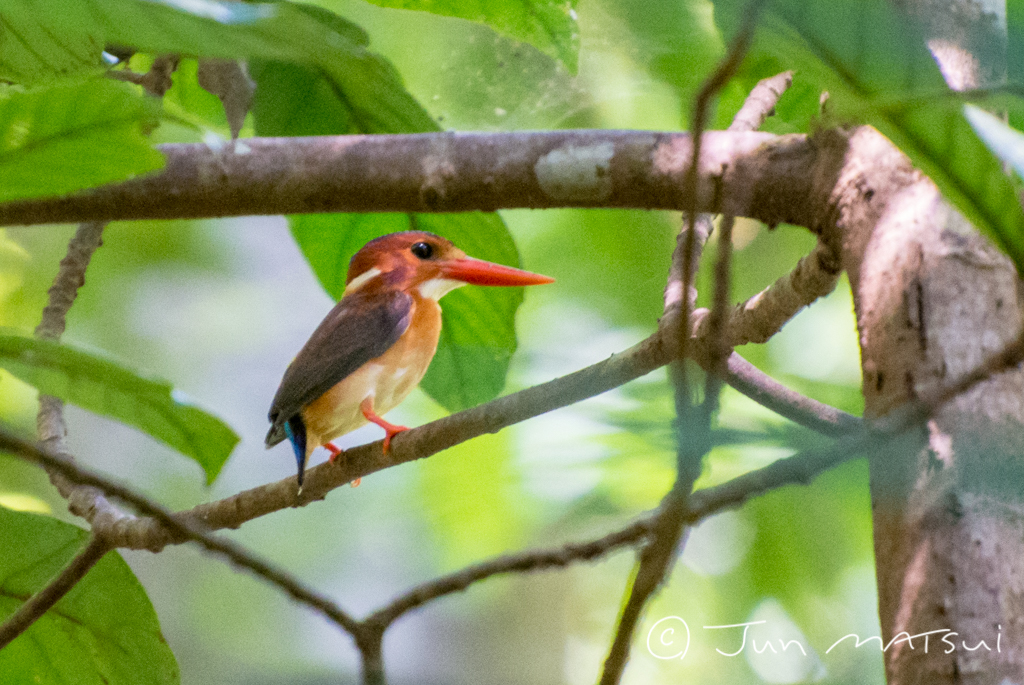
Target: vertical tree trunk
x=934, y=300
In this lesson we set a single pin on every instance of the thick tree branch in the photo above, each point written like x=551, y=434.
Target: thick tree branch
x=936, y=304
x=760, y=175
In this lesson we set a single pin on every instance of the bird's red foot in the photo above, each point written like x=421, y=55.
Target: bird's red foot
x=334, y=450
x=390, y=429
x=335, y=453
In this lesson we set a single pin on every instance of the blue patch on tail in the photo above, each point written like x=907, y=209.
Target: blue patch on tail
x=295, y=429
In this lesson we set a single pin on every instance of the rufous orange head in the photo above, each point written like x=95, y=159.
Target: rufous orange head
x=418, y=261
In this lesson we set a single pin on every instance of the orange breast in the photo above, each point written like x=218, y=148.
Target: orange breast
x=388, y=379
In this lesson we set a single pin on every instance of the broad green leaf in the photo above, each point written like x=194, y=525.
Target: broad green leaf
x=280, y=31
x=478, y=329
x=103, y=632
x=873, y=62
x=63, y=138
x=31, y=51
x=1005, y=142
x=105, y=387
x=293, y=100
x=548, y=25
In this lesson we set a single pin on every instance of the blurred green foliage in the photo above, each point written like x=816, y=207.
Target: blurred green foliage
x=548, y=25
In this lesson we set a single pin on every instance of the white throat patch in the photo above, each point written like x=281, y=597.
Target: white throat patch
x=436, y=288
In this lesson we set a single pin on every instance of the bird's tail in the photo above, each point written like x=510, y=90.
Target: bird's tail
x=295, y=429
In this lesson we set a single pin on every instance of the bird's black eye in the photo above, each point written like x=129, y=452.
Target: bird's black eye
x=423, y=250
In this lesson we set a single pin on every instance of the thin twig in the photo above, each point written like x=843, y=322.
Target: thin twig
x=761, y=101
x=39, y=603
x=802, y=410
x=529, y=560
x=157, y=81
x=70, y=277
x=717, y=340
x=693, y=433
x=85, y=502
x=764, y=314
x=50, y=425
x=82, y=501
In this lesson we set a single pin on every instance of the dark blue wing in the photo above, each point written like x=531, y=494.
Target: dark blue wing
x=361, y=327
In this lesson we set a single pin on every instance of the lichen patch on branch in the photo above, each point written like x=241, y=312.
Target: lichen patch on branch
x=578, y=173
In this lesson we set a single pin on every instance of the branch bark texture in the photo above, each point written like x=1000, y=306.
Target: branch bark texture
x=452, y=172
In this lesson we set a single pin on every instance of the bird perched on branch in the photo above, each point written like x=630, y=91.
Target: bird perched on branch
x=373, y=348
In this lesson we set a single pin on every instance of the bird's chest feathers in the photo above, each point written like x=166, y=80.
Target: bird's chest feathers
x=387, y=378
x=404, y=364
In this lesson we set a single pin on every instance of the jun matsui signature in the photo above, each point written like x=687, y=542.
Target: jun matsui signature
x=669, y=638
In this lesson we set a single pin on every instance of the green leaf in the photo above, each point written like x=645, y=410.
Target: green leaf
x=32, y=51
x=293, y=100
x=107, y=388
x=104, y=631
x=1005, y=142
x=548, y=25
x=677, y=40
x=280, y=31
x=872, y=60
x=63, y=138
x=478, y=328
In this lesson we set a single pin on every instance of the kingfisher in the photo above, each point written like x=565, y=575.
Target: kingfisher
x=375, y=345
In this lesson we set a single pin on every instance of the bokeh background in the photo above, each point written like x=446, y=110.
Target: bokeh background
x=220, y=307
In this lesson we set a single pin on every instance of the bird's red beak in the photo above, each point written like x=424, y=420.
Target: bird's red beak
x=479, y=272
